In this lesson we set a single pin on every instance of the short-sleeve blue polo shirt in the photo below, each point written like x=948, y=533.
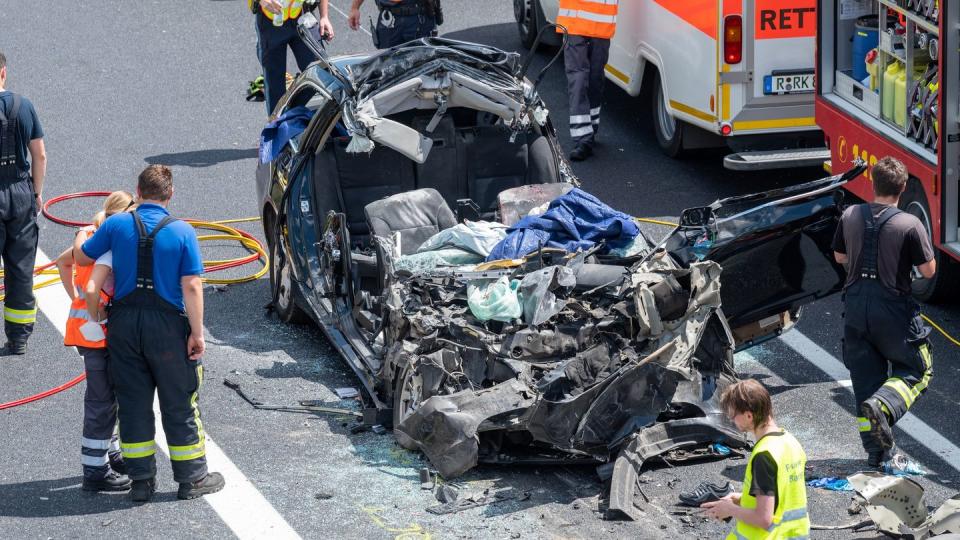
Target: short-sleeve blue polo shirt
x=176, y=252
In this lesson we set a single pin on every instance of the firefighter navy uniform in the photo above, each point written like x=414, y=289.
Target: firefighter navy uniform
x=590, y=25
x=885, y=342
x=790, y=518
x=18, y=216
x=401, y=21
x=272, y=43
x=148, y=331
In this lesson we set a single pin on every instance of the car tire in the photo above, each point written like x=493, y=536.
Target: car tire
x=286, y=304
x=529, y=20
x=669, y=130
x=941, y=287
x=405, y=384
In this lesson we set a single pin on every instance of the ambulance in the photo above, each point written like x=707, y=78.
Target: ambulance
x=738, y=73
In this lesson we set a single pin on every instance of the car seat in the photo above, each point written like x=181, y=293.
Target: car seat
x=416, y=215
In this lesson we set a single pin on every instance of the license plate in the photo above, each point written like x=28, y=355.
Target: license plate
x=795, y=82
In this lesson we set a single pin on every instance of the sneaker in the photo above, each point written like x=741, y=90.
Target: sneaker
x=210, y=483
x=705, y=492
x=879, y=425
x=143, y=490
x=15, y=348
x=112, y=481
x=581, y=153
x=117, y=463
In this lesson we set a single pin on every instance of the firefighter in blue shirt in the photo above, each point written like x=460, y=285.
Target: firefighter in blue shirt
x=156, y=336
x=21, y=187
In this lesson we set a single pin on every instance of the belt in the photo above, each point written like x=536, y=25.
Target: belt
x=403, y=11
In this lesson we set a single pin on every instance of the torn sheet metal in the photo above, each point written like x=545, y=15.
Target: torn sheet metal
x=897, y=507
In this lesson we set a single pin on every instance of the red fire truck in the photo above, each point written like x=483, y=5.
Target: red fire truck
x=885, y=89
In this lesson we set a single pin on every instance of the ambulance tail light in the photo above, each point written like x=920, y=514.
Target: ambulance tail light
x=732, y=39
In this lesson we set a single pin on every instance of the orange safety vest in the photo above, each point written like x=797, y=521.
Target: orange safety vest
x=589, y=18
x=78, y=308
x=291, y=10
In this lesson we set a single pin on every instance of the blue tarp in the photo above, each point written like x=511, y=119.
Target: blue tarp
x=574, y=221
x=277, y=133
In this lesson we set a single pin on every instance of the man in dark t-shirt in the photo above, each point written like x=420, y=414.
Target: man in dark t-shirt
x=21, y=188
x=885, y=344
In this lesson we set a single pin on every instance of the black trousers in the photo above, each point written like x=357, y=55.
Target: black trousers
x=99, y=414
x=18, y=246
x=584, y=60
x=887, y=350
x=272, y=43
x=148, y=352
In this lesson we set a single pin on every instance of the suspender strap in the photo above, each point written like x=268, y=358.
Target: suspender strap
x=145, y=250
x=8, y=139
x=869, y=257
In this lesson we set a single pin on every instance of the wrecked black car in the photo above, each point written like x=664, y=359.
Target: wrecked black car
x=422, y=219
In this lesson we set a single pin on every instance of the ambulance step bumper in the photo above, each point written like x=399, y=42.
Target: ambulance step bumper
x=776, y=159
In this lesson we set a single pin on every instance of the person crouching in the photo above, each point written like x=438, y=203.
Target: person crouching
x=103, y=467
x=773, y=503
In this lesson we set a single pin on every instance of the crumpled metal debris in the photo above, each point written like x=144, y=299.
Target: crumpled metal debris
x=477, y=499
x=897, y=507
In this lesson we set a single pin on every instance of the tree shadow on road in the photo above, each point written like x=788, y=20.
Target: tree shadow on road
x=202, y=158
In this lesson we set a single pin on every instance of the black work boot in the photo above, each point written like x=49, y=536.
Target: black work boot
x=15, y=347
x=143, y=490
x=581, y=152
x=111, y=481
x=117, y=463
x=879, y=424
x=875, y=460
x=210, y=483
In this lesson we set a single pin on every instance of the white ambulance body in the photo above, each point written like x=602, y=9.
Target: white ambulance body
x=742, y=70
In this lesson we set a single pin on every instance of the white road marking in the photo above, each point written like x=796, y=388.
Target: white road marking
x=917, y=429
x=846, y=383
x=240, y=505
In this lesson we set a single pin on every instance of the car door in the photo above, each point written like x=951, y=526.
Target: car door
x=774, y=248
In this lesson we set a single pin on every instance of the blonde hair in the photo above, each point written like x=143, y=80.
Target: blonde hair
x=118, y=201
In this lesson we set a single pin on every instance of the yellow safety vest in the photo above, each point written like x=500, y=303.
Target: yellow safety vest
x=790, y=519
x=589, y=18
x=291, y=11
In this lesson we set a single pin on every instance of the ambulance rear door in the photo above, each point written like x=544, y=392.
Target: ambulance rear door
x=774, y=90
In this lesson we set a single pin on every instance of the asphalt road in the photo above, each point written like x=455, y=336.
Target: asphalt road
x=119, y=85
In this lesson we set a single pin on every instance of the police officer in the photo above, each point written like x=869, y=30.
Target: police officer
x=590, y=25
x=885, y=343
x=155, y=334
x=21, y=189
x=400, y=21
x=276, y=24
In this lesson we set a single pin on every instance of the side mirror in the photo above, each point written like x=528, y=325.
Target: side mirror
x=696, y=217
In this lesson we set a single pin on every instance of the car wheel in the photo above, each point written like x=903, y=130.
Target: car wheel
x=407, y=397
x=941, y=287
x=286, y=306
x=669, y=130
x=527, y=14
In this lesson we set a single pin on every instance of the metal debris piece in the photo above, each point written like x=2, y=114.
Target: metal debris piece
x=257, y=404
x=897, y=506
x=473, y=501
x=447, y=494
x=427, y=480
x=323, y=496
x=346, y=393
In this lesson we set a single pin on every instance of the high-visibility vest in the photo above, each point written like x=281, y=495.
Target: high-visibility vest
x=291, y=10
x=589, y=18
x=78, y=308
x=790, y=519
